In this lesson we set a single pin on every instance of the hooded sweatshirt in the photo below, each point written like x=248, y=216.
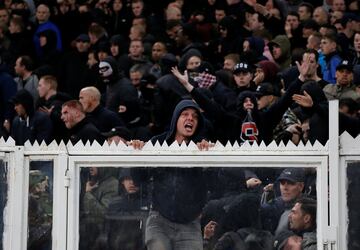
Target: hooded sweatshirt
x=169, y=136
x=178, y=194
x=283, y=42
x=119, y=90
x=35, y=126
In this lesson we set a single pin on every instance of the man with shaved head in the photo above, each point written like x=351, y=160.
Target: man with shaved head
x=103, y=118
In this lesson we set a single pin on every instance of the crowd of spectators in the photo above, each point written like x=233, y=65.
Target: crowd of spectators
x=126, y=62
x=119, y=70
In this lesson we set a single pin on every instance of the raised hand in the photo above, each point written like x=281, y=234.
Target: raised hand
x=183, y=78
x=303, y=100
x=304, y=68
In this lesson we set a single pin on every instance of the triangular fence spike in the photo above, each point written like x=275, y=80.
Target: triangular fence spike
x=301, y=145
x=79, y=145
x=10, y=141
x=246, y=145
x=236, y=145
x=43, y=144
x=95, y=144
x=346, y=137
x=228, y=145
x=2, y=140
x=317, y=145
x=262, y=145
x=54, y=144
x=192, y=145
x=273, y=145
x=148, y=146
x=87, y=144
x=218, y=145
x=290, y=145
x=173, y=145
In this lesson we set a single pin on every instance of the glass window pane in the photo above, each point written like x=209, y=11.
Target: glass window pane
x=3, y=197
x=117, y=206
x=353, y=203
x=40, y=205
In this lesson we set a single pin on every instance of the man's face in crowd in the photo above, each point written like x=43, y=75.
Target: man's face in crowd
x=293, y=21
x=276, y=51
x=129, y=186
x=219, y=14
x=255, y=24
x=158, y=50
x=335, y=15
x=303, y=12
x=229, y=64
x=19, y=69
x=91, y=59
x=320, y=16
x=343, y=77
x=135, y=78
x=327, y=46
x=312, y=43
x=357, y=42
x=338, y=5
x=172, y=33
x=114, y=49
x=85, y=99
x=136, y=48
x=248, y=104
x=243, y=79
x=137, y=8
x=68, y=116
x=290, y=190
x=42, y=13
x=20, y=110
x=187, y=123
x=82, y=46
x=117, y=5
x=297, y=218
x=93, y=171
x=193, y=62
x=43, y=88
x=4, y=17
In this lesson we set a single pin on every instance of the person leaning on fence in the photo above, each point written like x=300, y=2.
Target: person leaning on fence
x=178, y=195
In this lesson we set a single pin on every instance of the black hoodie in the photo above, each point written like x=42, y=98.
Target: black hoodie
x=35, y=126
x=178, y=194
x=169, y=136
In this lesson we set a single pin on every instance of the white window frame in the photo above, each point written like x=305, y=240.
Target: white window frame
x=183, y=157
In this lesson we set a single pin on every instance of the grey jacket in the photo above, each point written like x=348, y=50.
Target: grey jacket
x=30, y=84
x=309, y=241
